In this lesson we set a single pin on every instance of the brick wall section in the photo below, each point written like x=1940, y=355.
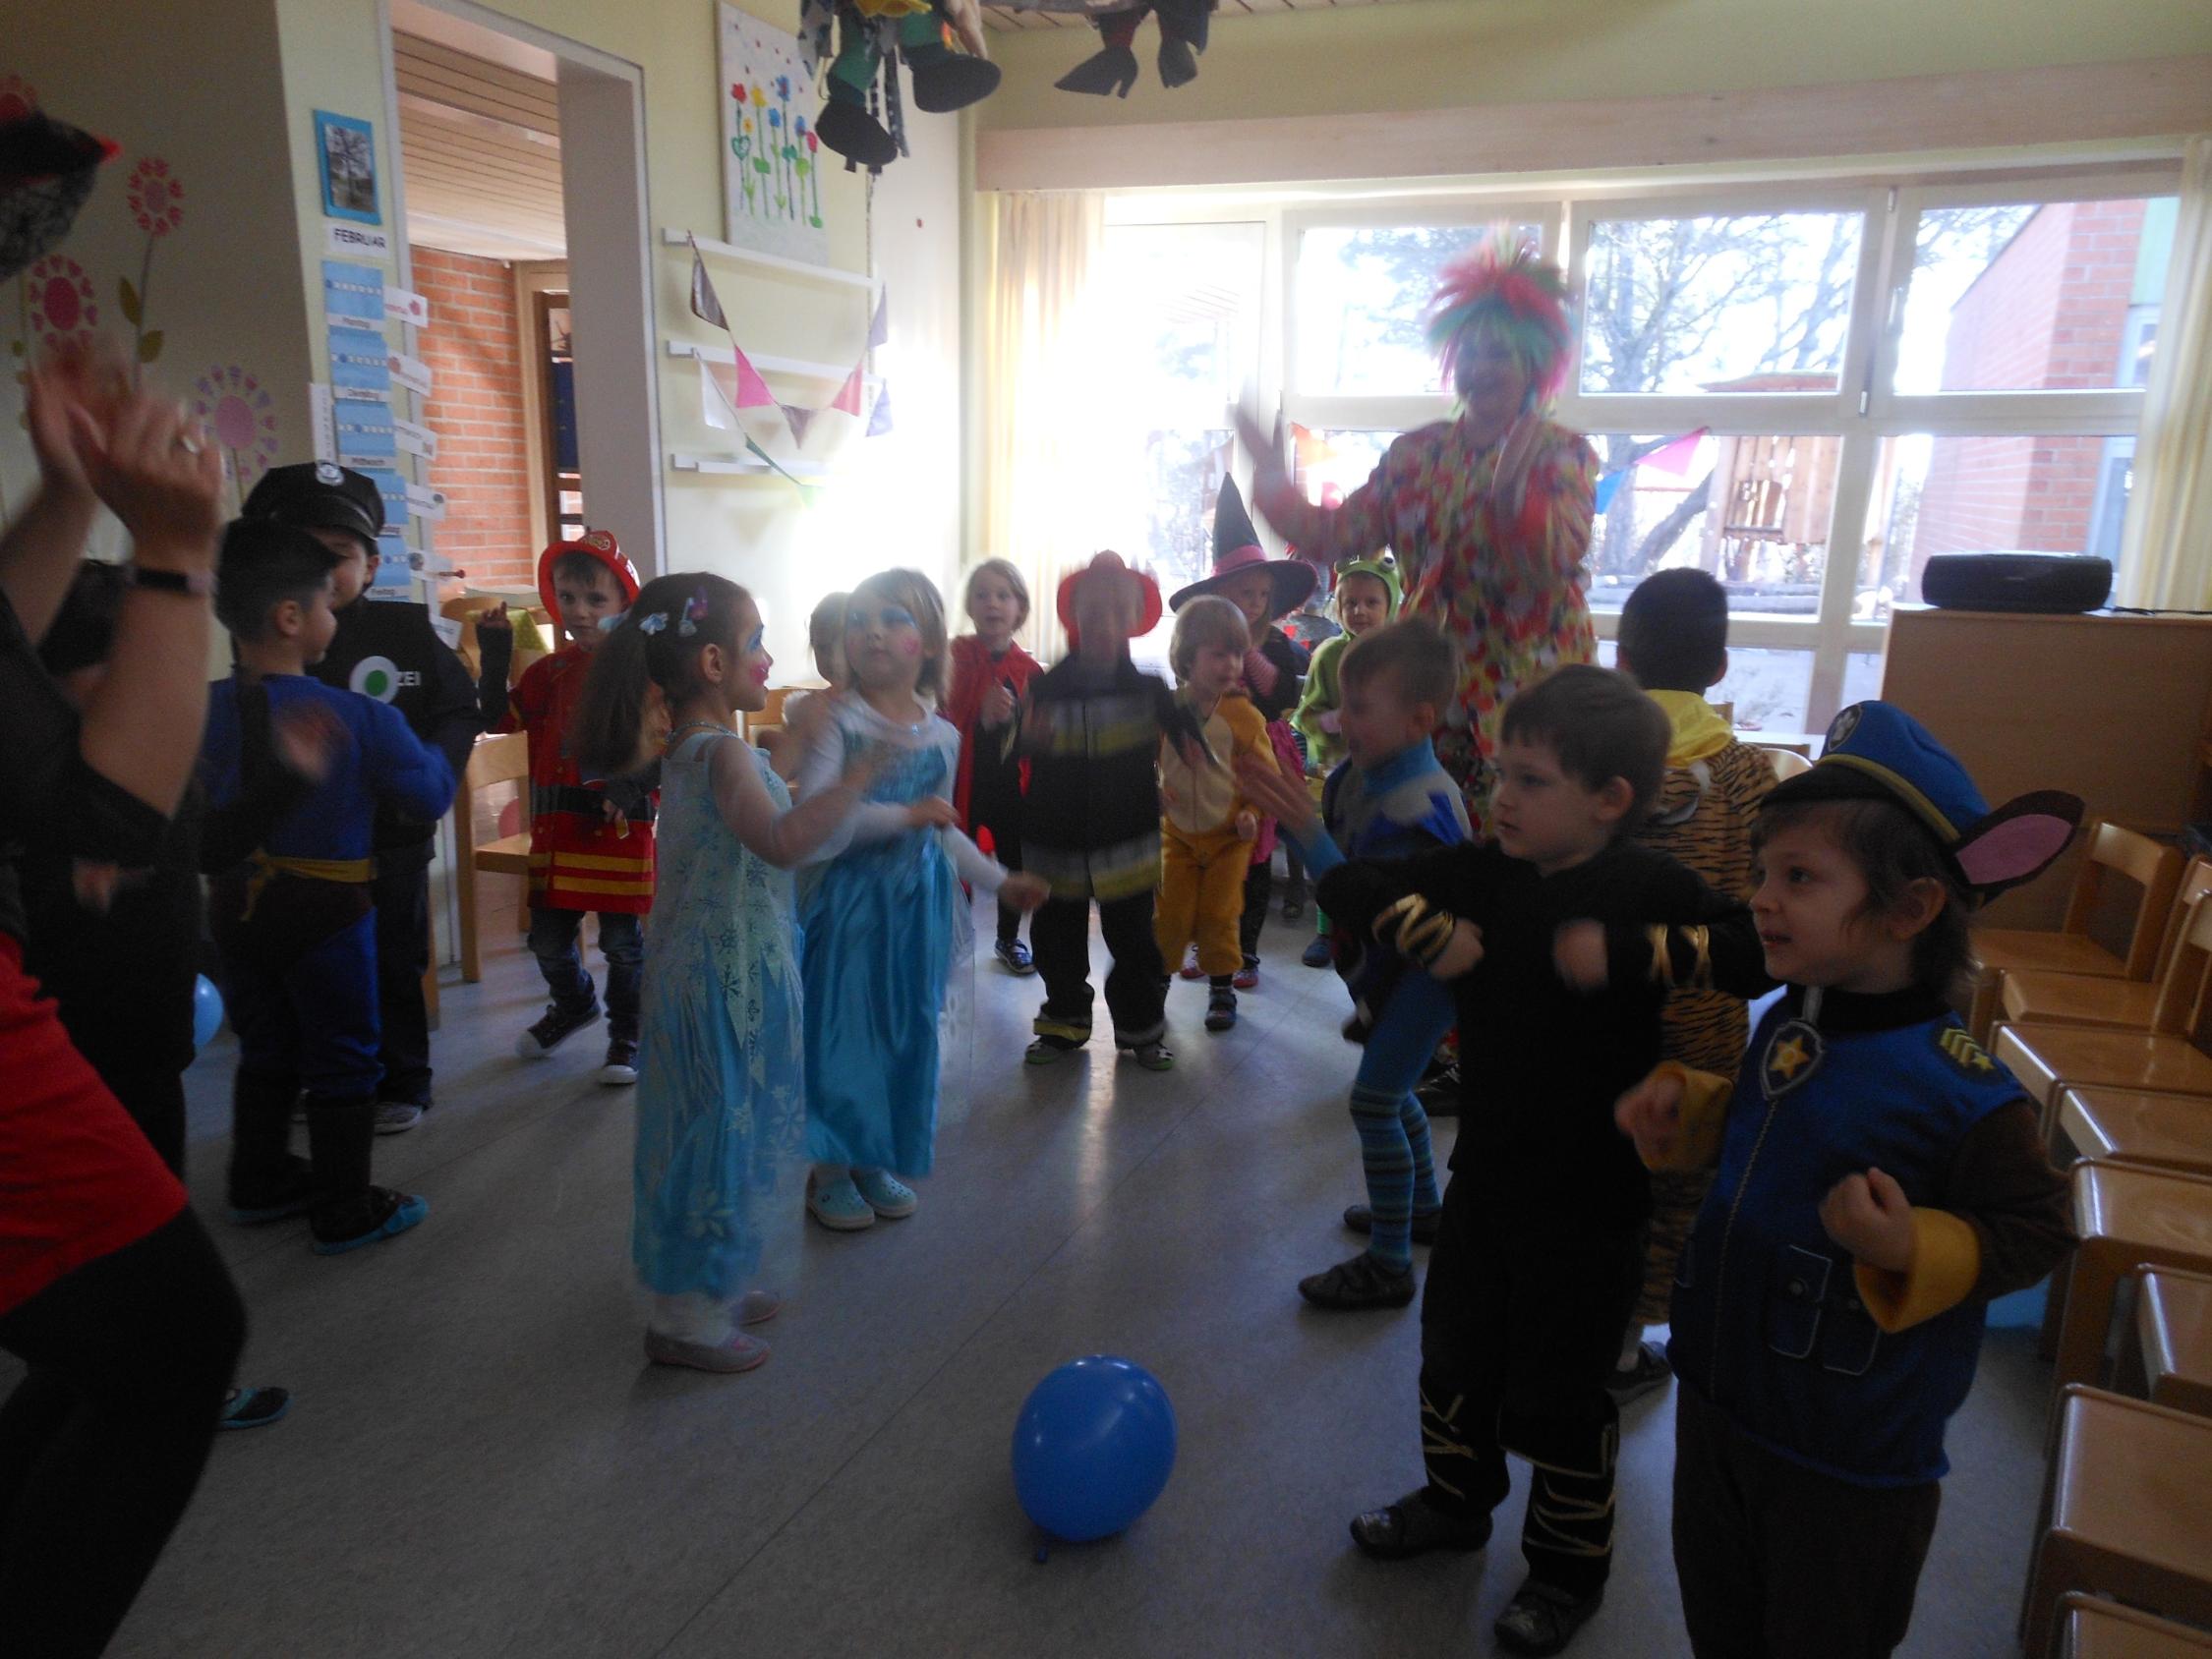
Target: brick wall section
x=473, y=347
x=2047, y=314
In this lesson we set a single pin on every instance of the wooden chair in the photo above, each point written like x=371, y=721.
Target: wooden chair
x=2129, y=1127
x=2092, y=1627
x=2125, y=1218
x=2167, y=1058
x=495, y=760
x=2040, y=995
x=2168, y=1358
x=2124, y=1514
x=2154, y=868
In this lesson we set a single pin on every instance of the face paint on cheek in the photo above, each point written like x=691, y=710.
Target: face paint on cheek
x=910, y=647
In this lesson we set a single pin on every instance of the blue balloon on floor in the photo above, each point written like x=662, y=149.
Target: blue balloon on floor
x=1092, y=1448
x=207, y=1012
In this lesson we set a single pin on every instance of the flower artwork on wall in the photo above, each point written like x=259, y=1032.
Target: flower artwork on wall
x=239, y=410
x=155, y=196
x=59, y=303
x=771, y=156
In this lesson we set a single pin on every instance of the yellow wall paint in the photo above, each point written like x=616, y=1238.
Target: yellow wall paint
x=1437, y=55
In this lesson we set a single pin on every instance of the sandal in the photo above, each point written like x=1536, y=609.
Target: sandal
x=1359, y=1218
x=1542, y=1618
x=1360, y=1283
x=1413, y=1525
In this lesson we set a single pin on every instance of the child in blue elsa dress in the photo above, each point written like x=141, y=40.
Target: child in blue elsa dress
x=883, y=911
x=720, y=1093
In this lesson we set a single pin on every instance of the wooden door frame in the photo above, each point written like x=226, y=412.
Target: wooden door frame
x=535, y=282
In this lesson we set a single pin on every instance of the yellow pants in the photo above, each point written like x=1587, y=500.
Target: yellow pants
x=1201, y=896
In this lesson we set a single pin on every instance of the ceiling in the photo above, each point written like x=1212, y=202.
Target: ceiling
x=480, y=139
x=1010, y=18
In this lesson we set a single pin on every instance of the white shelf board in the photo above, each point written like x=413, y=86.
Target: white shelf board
x=675, y=238
x=798, y=367
x=683, y=461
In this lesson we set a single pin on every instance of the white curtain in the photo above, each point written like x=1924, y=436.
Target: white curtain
x=1040, y=480
x=2166, y=548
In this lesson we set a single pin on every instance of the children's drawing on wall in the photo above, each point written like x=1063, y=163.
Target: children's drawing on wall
x=771, y=163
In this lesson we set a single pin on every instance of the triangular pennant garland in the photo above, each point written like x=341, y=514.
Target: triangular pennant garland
x=879, y=418
x=798, y=418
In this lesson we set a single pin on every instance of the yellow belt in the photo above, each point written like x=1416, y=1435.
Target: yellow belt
x=354, y=871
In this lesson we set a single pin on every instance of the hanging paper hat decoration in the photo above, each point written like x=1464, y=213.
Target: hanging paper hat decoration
x=47, y=171
x=1504, y=290
x=867, y=124
x=1236, y=549
x=1876, y=751
x=1113, y=68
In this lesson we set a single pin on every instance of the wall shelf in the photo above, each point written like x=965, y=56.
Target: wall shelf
x=675, y=238
x=685, y=462
x=798, y=367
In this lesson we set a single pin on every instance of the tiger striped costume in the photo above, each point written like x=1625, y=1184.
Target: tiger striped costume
x=1712, y=792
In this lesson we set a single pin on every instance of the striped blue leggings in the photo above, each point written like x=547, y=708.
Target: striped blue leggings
x=1394, y=1148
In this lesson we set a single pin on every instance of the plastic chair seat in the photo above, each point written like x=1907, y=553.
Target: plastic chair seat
x=2017, y=951
x=509, y=855
x=2131, y=1126
x=2174, y=1336
x=2091, y=1628
x=2048, y=1058
x=2054, y=998
x=2122, y=1514
x=2124, y=1218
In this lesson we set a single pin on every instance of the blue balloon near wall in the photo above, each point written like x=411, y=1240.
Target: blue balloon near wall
x=207, y=1012
x=1092, y=1448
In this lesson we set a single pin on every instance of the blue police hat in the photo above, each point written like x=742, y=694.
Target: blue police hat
x=1876, y=751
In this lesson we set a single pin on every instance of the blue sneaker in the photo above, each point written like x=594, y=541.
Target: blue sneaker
x=837, y=1204
x=253, y=1408
x=887, y=1195
x=399, y=1211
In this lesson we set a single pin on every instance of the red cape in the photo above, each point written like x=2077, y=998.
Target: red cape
x=974, y=670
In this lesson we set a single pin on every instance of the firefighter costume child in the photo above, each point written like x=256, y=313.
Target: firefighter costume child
x=591, y=839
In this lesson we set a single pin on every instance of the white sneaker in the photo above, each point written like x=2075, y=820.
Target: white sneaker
x=396, y=1116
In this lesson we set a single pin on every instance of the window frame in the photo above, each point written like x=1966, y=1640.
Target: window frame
x=1862, y=413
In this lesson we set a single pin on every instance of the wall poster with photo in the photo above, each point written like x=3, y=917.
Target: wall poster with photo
x=771, y=159
x=347, y=150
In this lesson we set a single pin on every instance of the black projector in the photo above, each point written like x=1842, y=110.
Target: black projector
x=2054, y=583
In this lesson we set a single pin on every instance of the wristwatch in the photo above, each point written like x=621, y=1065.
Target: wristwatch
x=198, y=583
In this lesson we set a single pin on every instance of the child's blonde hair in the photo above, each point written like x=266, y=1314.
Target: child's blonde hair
x=825, y=637
x=1206, y=621
x=1004, y=571
x=918, y=594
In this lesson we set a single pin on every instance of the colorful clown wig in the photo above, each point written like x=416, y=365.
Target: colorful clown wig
x=1504, y=290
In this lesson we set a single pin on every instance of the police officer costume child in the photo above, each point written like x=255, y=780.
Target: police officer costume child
x=388, y=650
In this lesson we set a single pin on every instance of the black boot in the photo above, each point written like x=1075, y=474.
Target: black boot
x=349, y=1212
x=1114, y=68
x=1178, y=65
x=1184, y=21
x=266, y=1182
x=854, y=133
x=944, y=79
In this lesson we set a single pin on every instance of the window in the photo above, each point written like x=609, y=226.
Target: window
x=1184, y=301
x=1362, y=295
x=1753, y=510
x=2034, y=296
x=1727, y=303
x=1770, y=374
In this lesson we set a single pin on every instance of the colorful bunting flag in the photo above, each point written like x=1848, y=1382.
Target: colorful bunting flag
x=1676, y=455
x=879, y=418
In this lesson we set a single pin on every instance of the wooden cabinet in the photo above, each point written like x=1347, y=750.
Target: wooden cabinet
x=2116, y=709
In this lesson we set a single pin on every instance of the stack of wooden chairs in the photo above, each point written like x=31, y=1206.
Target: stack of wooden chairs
x=2116, y=1048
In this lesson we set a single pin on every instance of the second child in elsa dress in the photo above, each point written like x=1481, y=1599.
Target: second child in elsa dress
x=883, y=911
x=720, y=1101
